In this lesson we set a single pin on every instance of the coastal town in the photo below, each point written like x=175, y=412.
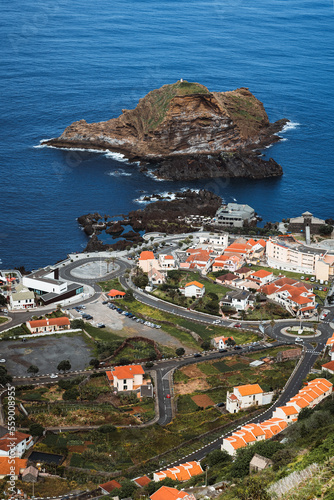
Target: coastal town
x=152, y=370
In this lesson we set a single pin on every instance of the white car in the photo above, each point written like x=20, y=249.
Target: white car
x=298, y=339
x=53, y=375
x=2, y=360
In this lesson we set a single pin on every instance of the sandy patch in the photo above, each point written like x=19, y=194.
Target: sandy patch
x=192, y=371
x=192, y=386
x=203, y=400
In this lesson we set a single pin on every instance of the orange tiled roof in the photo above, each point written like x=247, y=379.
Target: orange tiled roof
x=49, y=322
x=255, y=429
x=262, y=273
x=146, y=255
x=115, y=293
x=288, y=410
x=167, y=493
x=7, y=468
x=244, y=434
x=236, y=442
x=169, y=257
x=126, y=372
x=182, y=472
x=249, y=389
x=195, y=283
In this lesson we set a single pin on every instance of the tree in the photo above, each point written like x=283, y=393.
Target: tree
x=205, y=345
x=5, y=378
x=77, y=323
x=3, y=301
x=71, y=394
x=95, y=363
x=64, y=366
x=106, y=428
x=325, y=230
x=252, y=488
x=36, y=430
x=217, y=457
x=149, y=364
x=129, y=296
x=230, y=342
x=33, y=369
x=180, y=351
x=128, y=487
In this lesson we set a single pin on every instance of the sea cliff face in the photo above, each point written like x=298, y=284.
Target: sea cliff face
x=182, y=120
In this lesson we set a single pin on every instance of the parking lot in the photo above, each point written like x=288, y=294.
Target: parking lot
x=124, y=326
x=46, y=353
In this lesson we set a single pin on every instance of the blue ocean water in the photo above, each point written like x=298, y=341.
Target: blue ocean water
x=67, y=60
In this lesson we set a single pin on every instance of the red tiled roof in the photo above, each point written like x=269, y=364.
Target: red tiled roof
x=49, y=322
x=329, y=366
x=262, y=273
x=142, y=481
x=110, y=485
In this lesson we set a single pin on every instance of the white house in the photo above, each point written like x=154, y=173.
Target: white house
x=167, y=261
x=15, y=445
x=238, y=299
x=287, y=413
x=49, y=324
x=126, y=378
x=245, y=396
x=193, y=289
x=221, y=342
x=155, y=277
x=22, y=299
x=262, y=277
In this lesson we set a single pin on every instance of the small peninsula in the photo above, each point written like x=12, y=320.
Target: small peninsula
x=185, y=132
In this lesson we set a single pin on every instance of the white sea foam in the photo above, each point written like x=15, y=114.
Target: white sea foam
x=119, y=173
x=115, y=156
x=150, y=173
x=167, y=195
x=40, y=145
x=290, y=126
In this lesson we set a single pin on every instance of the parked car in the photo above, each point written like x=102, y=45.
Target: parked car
x=105, y=302
x=197, y=355
x=237, y=325
x=53, y=375
x=101, y=325
x=302, y=277
x=222, y=350
x=237, y=347
x=2, y=360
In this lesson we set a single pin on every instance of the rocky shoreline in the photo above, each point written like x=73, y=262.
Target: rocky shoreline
x=161, y=216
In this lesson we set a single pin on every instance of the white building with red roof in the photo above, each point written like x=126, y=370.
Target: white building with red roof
x=49, y=325
x=221, y=342
x=126, y=378
x=15, y=444
x=328, y=367
x=309, y=396
x=295, y=297
x=148, y=261
x=230, y=263
x=182, y=472
x=261, y=277
x=167, y=262
x=245, y=396
x=193, y=289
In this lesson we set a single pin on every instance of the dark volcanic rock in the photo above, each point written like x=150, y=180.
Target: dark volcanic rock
x=223, y=165
x=115, y=228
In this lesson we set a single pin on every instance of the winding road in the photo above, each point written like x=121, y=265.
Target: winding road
x=164, y=369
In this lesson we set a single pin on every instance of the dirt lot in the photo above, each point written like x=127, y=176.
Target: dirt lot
x=203, y=400
x=192, y=386
x=46, y=353
x=192, y=371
